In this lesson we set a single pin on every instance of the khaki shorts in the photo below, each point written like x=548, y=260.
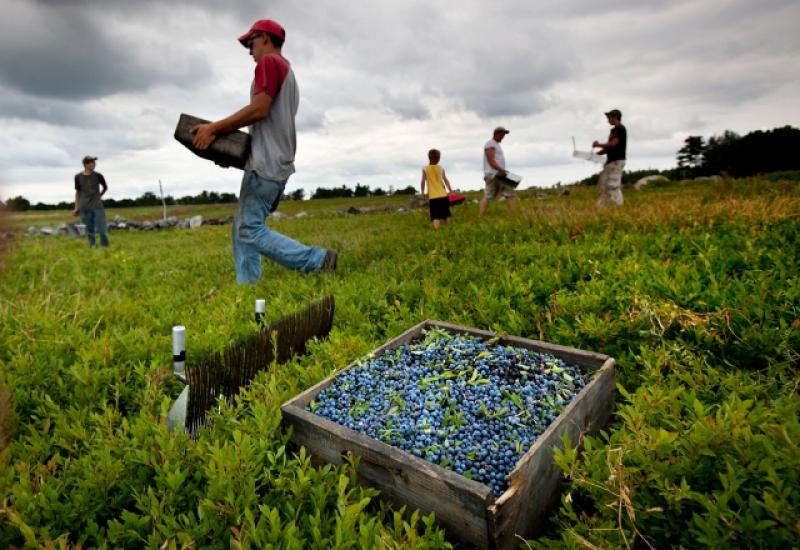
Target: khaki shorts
x=609, y=186
x=496, y=189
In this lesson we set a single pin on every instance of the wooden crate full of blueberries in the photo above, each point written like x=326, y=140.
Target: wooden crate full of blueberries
x=460, y=422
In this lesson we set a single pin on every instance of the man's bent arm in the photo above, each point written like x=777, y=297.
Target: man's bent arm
x=611, y=143
x=258, y=109
x=493, y=163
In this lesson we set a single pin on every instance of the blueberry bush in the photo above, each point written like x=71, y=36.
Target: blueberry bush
x=692, y=288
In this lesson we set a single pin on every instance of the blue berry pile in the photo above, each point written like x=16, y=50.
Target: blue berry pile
x=455, y=400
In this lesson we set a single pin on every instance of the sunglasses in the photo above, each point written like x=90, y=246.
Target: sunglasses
x=249, y=42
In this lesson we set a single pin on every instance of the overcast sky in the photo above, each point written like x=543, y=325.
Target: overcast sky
x=381, y=82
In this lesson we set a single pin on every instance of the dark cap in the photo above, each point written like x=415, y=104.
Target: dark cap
x=615, y=113
x=263, y=25
x=502, y=130
x=88, y=158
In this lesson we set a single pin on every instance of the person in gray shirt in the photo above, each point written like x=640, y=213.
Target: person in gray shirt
x=274, y=99
x=88, y=205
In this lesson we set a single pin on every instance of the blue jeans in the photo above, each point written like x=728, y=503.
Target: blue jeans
x=252, y=238
x=95, y=220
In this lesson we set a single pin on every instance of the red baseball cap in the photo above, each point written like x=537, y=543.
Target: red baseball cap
x=263, y=25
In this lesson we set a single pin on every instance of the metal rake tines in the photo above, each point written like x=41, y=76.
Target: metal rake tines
x=224, y=373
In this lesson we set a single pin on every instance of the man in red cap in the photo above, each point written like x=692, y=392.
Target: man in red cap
x=274, y=98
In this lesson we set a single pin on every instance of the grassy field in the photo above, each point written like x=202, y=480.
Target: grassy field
x=17, y=221
x=693, y=288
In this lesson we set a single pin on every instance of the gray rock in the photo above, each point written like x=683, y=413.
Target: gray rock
x=656, y=178
x=301, y=214
x=417, y=201
x=701, y=179
x=359, y=210
x=219, y=221
x=195, y=221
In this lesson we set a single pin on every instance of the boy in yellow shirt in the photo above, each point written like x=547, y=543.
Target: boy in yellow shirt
x=438, y=200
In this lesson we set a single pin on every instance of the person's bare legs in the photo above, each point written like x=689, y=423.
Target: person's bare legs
x=484, y=204
x=436, y=223
x=510, y=203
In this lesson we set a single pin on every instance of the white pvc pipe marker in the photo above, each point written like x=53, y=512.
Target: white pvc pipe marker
x=261, y=306
x=178, y=349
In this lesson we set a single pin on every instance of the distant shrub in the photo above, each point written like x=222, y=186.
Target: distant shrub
x=786, y=175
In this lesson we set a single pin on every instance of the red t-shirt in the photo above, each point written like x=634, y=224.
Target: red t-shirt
x=270, y=73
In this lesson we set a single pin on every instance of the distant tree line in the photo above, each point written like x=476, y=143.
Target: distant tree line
x=20, y=203
x=741, y=156
x=359, y=191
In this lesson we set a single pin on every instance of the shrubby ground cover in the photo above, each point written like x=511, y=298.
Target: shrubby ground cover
x=693, y=289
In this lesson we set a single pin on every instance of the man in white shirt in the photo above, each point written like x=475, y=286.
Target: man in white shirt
x=494, y=169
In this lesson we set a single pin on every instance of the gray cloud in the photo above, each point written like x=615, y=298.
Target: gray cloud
x=63, y=50
x=309, y=116
x=381, y=82
x=494, y=62
x=408, y=104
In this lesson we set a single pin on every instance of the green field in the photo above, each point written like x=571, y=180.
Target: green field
x=693, y=288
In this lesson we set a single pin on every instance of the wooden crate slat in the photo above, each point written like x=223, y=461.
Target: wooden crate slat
x=536, y=477
x=458, y=502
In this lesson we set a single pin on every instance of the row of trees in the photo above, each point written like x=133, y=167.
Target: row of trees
x=359, y=191
x=741, y=156
x=20, y=203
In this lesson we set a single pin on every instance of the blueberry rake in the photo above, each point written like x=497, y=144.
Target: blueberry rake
x=223, y=374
